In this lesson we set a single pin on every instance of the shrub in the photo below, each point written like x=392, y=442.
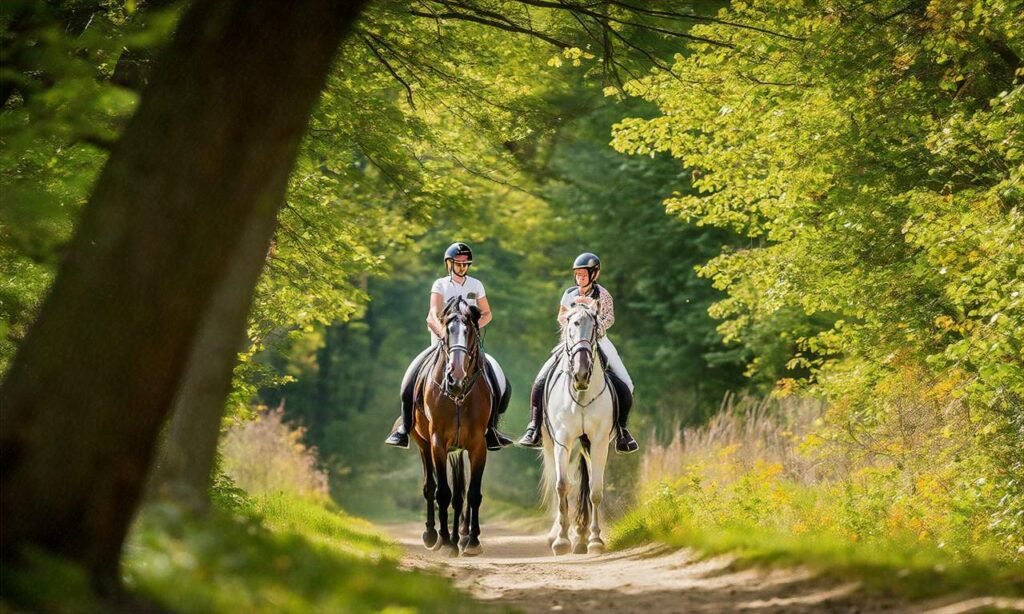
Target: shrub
x=266, y=455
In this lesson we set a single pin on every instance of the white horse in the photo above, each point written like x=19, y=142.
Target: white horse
x=578, y=408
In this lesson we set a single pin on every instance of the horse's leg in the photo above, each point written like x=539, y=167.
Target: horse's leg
x=561, y=544
x=444, y=492
x=583, y=511
x=549, y=482
x=458, y=494
x=598, y=463
x=429, y=486
x=466, y=527
x=477, y=461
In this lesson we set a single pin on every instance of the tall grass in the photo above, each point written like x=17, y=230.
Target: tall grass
x=766, y=480
x=266, y=455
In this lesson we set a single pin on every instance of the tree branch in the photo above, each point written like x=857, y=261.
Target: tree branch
x=387, y=65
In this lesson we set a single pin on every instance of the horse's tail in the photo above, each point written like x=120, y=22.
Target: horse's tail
x=547, y=480
x=583, y=496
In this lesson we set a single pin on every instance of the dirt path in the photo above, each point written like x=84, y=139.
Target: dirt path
x=516, y=571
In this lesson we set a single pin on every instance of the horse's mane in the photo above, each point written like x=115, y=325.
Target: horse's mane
x=458, y=304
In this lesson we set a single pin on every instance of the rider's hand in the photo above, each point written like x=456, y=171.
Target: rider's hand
x=584, y=300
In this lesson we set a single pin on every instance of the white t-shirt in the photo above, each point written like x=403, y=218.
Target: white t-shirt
x=471, y=289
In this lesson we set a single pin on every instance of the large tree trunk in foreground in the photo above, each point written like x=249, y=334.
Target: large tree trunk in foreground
x=208, y=152
x=186, y=458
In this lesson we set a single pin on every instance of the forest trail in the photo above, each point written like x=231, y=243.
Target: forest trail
x=517, y=572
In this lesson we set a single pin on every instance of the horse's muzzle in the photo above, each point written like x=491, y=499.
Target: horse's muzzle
x=581, y=380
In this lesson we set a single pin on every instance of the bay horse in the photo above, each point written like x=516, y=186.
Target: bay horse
x=451, y=413
x=579, y=408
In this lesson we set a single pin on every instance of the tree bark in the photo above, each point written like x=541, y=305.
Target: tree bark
x=207, y=154
x=189, y=448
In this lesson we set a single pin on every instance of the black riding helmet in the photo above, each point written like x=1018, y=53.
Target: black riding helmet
x=588, y=261
x=457, y=249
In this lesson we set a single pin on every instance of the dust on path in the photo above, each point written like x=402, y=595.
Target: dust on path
x=517, y=572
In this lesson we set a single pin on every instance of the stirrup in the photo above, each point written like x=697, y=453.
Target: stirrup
x=495, y=439
x=398, y=439
x=624, y=442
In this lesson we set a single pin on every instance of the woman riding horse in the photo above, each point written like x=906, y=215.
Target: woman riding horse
x=587, y=268
x=452, y=409
x=457, y=258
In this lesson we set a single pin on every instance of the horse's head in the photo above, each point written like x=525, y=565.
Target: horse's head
x=461, y=341
x=580, y=335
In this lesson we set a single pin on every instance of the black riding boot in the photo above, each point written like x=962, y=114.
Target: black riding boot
x=400, y=436
x=531, y=439
x=494, y=438
x=624, y=442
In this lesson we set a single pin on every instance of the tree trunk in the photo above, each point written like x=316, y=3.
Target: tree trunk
x=190, y=443
x=207, y=155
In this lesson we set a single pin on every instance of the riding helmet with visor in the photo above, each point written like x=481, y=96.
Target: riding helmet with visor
x=587, y=261
x=457, y=249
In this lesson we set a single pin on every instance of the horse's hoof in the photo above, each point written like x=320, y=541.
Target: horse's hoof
x=453, y=550
x=561, y=546
x=579, y=548
x=595, y=547
x=472, y=549
x=463, y=542
x=429, y=539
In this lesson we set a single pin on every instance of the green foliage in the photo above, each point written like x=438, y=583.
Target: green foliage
x=872, y=155
x=289, y=555
x=60, y=113
x=271, y=554
x=758, y=482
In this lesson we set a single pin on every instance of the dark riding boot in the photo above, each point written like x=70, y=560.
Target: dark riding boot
x=531, y=439
x=624, y=442
x=495, y=439
x=400, y=436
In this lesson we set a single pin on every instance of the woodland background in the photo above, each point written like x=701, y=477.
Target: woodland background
x=810, y=215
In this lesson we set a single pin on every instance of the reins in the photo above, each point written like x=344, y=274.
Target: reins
x=473, y=354
x=569, y=352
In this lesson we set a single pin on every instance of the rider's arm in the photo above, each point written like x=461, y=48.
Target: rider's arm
x=606, y=313
x=485, y=311
x=434, y=315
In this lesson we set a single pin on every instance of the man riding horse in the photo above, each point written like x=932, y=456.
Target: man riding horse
x=587, y=268
x=457, y=258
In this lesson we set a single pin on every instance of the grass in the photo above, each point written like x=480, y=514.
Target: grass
x=895, y=564
x=277, y=553
x=285, y=555
x=758, y=483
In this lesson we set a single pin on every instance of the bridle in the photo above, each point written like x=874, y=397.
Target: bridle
x=472, y=356
x=587, y=346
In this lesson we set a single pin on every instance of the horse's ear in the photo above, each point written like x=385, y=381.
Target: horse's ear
x=475, y=313
x=597, y=305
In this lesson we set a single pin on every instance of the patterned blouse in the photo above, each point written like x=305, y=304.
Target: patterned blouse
x=605, y=313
